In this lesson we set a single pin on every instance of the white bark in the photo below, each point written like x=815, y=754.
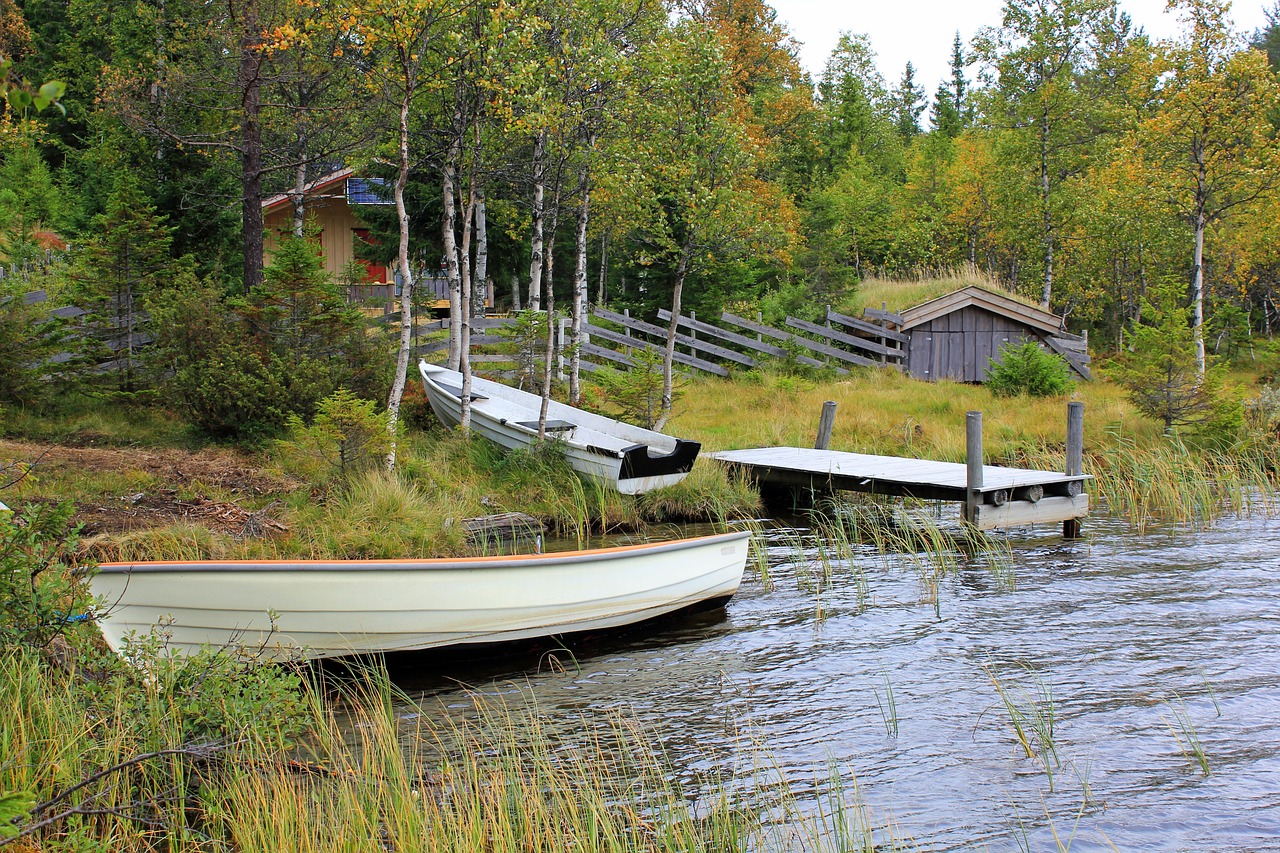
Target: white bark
x=406, y=290
x=480, y=281
x=449, y=179
x=535, y=242
x=579, y=290
x=299, y=199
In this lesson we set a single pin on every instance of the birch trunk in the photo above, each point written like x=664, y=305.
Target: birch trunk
x=299, y=199
x=406, y=274
x=535, y=241
x=1047, y=215
x=449, y=178
x=579, y=289
x=1197, y=279
x=668, y=355
x=464, y=310
x=480, y=281
x=604, y=268
x=548, y=279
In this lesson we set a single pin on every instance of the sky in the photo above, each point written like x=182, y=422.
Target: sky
x=921, y=31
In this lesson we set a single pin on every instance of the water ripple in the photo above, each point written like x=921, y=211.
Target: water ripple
x=1144, y=644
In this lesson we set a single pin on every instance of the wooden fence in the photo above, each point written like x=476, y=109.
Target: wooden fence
x=736, y=343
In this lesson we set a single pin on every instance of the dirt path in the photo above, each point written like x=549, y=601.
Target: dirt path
x=205, y=487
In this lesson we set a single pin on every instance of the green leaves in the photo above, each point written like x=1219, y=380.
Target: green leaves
x=12, y=807
x=23, y=94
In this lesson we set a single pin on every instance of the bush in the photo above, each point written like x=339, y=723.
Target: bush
x=1028, y=369
x=348, y=433
x=29, y=337
x=39, y=596
x=232, y=394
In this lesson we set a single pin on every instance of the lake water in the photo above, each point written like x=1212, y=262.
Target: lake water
x=1139, y=648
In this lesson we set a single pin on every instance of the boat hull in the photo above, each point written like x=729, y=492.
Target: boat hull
x=318, y=609
x=630, y=459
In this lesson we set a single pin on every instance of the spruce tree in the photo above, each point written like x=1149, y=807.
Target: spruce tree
x=126, y=260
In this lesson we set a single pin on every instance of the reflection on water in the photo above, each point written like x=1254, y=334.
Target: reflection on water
x=1135, y=648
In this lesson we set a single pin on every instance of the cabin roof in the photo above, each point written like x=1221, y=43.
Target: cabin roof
x=279, y=200
x=982, y=298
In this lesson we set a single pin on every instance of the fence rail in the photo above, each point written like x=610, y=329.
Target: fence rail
x=609, y=337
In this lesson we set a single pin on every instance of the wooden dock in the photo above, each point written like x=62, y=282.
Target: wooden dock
x=1010, y=497
x=993, y=496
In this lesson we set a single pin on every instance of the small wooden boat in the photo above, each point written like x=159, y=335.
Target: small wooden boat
x=320, y=609
x=626, y=457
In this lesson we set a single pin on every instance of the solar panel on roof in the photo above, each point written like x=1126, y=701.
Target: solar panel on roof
x=367, y=191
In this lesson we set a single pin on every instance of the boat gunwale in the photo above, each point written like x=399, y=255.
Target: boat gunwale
x=435, y=563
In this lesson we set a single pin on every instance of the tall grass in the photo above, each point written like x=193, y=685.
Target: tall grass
x=1185, y=733
x=367, y=776
x=899, y=294
x=1032, y=716
x=417, y=511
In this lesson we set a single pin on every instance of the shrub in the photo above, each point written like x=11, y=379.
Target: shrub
x=347, y=433
x=1028, y=369
x=29, y=337
x=637, y=392
x=39, y=596
x=232, y=394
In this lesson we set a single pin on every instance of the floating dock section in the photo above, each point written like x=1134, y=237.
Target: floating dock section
x=993, y=496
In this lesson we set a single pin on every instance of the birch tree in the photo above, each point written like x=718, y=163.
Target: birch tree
x=1209, y=146
x=708, y=205
x=401, y=37
x=1033, y=63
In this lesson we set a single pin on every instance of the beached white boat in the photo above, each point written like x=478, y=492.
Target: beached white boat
x=320, y=609
x=626, y=457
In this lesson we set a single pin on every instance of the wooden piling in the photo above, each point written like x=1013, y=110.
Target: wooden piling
x=826, y=423
x=973, y=466
x=1075, y=459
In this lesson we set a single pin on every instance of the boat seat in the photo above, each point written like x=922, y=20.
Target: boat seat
x=455, y=391
x=552, y=426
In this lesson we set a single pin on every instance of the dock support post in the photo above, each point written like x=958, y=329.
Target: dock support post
x=825, y=424
x=1075, y=459
x=973, y=466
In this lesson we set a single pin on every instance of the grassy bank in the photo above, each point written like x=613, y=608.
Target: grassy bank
x=146, y=489
x=1140, y=473
x=184, y=769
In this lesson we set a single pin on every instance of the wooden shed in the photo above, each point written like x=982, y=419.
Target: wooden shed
x=328, y=202
x=331, y=204
x=954, y=336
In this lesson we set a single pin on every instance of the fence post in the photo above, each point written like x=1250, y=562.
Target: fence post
x=884, y=342
x=693, y=333
x=825, y=424
x=973, y=466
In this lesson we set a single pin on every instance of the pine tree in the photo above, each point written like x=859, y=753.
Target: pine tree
x=126, y=259
x=1268, y=38
x=908, y=104
x=1161, y=372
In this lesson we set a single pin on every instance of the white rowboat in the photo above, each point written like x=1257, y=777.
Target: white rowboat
x=320, y=609
x=627, y=457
